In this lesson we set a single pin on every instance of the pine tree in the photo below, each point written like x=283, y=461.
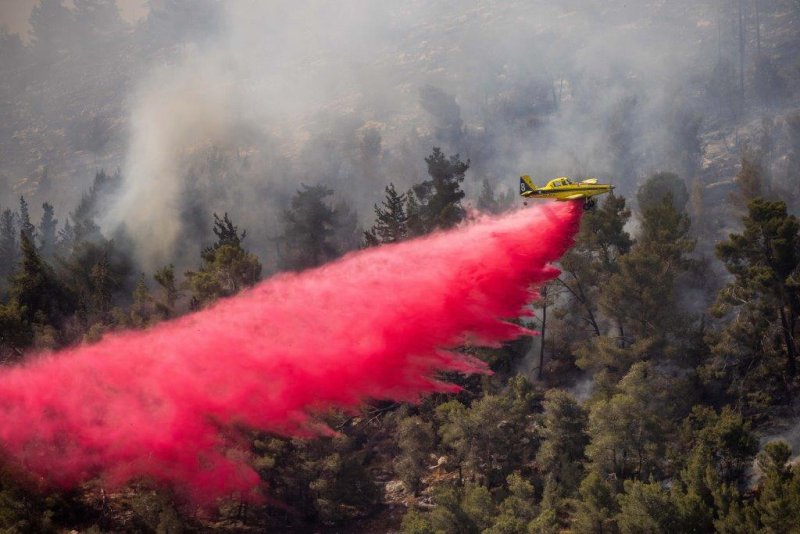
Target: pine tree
x=97, y=273
x=436, y=203
x=309, y=229
x=778, y=503
x=25, y=220
x=597, y=507
x=40, y=294
x=391, y=219
x=47, y=231
x=646, y=507
x=165, y=277
x=415, y=438
x=586, y=268
x=66, y=240
x=763, y=260
x=658, y=187
x=141, y=307
x=227, y=267
x=517, y=509
x=628, y=430
x=9, y=246
x=486, y=201
x=642, y=295
x=564, y=439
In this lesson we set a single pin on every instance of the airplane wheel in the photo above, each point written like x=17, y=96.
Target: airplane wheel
x=589, y=204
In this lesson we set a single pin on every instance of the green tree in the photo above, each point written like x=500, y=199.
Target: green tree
x=436, y=203
x=763, y=260
x=15, y=332
x=652, y=193
x=778, y=504
x=35, y=286
x=9, y=245
x=309, y=229
x=227, y=267
x=727, y=434
x=485, y=438
x=415, y=523
x=563, y=440
x=628, y=431
x=165, y=277
x=642, y=295
x=98, y=274
x=415, y=438
x=490, y=202
x=25, y=224
x=587, y=267
x=750, y=180
x=597, y=507
x=47, y=231
x=646, y=508
x=517, y=509
x=477, y=503
x=391, y=220
x=141, y=308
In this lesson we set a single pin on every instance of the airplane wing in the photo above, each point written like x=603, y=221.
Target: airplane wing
x=574, y=197
x=590, y=181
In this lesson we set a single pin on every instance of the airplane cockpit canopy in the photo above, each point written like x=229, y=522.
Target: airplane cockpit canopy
x=558, y=182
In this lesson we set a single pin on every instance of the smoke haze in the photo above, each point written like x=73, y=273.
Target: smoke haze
x=230, y=106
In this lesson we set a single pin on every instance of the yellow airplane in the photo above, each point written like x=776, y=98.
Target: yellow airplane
x=564, y=189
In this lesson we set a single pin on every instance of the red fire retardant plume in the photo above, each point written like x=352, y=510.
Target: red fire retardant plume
x=169, y=403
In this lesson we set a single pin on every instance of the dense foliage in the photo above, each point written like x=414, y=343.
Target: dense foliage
x=667, y=360
x=642, y=418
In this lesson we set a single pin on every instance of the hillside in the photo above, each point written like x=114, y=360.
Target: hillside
x=256, y=257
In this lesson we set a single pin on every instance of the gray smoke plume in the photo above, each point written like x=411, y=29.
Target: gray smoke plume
x=230, y=106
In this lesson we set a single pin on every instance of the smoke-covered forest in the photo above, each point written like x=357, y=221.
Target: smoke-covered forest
x=152, y=168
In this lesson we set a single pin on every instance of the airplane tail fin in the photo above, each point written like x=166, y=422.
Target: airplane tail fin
x=526, y=186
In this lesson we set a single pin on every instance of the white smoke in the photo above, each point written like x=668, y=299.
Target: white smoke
x=295, y=84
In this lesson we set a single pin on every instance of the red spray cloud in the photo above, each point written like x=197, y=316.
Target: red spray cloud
x=166, y=403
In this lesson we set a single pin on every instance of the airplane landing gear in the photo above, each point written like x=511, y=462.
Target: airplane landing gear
x=589, y=204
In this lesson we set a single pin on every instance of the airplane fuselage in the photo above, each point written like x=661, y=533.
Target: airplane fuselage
x=564, y=189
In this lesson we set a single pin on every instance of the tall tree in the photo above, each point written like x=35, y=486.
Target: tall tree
x=643, y=295
x=390, y=219
x=308, y=238
x=564, y=438
x=165, y=277
x=658, y=186
x=586, y=267
x=25, y=224
x=628, y=430
x=47, y=231
x=227, y=267
x=446, y=113
x=490, y=202
x=436, y=203
x=778, y=502
x=98, y=274
x=9, y=246
x=35, y=286
x=763, y=260
x=415, y=438
x=750, y=180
